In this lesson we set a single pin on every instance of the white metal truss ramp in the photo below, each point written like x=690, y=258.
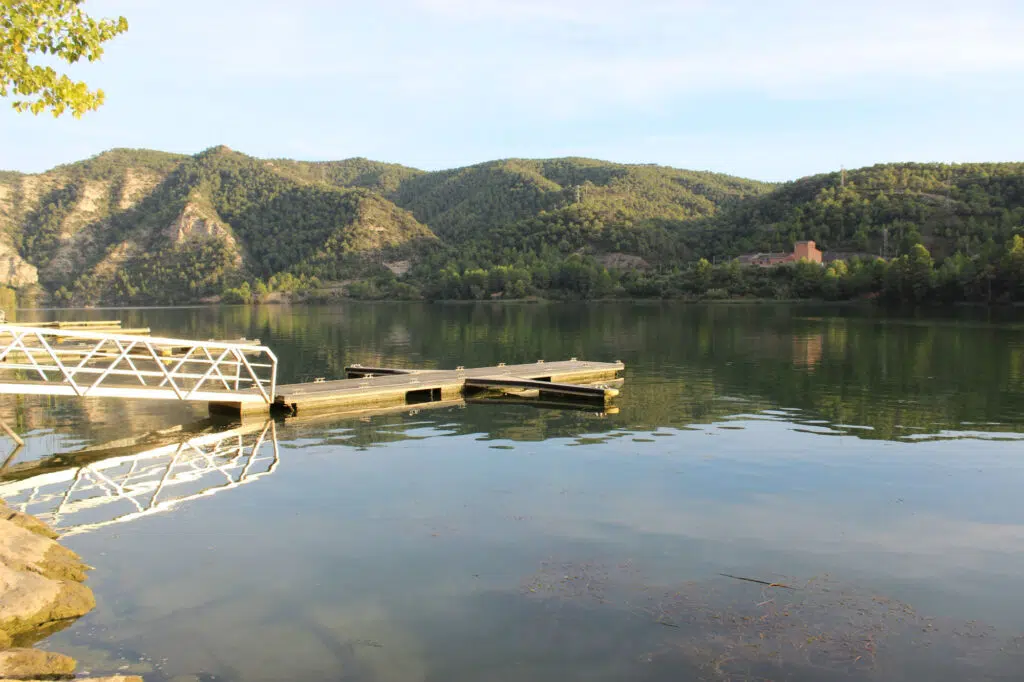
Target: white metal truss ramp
x=94, y=364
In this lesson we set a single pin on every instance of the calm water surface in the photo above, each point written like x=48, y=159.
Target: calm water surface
x=868, y=468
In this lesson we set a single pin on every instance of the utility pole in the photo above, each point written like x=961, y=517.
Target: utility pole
x=949, y=188
x=842, y=176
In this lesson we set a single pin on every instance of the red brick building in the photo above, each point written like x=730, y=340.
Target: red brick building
x=801, y=251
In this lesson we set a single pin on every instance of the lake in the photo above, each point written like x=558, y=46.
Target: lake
x=780, y=493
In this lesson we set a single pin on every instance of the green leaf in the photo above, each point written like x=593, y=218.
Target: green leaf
x=53, y=28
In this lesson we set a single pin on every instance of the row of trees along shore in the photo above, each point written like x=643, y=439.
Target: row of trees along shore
x=996, y=275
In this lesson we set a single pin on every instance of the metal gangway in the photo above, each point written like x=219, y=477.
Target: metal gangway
x=48, y=361
x=80, y=499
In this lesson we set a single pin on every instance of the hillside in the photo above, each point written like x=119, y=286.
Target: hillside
x=948, y=208
x=140, y=226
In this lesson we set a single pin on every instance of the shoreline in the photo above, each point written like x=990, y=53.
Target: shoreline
x=42, y=591
x=867, y=304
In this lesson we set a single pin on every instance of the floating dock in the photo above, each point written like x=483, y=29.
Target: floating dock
x=539, y=387
x=374, y=386
x=112, y=326
x=100, y=359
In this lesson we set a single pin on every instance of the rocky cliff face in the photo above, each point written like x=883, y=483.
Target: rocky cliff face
x=14, y=271
x=140, y=226
x=195, y=224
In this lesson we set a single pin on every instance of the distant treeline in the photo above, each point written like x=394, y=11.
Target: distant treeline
x=994, y=276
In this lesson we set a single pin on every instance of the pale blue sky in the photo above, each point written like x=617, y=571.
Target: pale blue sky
x=771, y=90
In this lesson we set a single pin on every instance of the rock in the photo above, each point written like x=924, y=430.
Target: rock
x=115, y=678
x=61, y=563
x=22, y=664
x=39, y=580
x=28, y=522
x=40, y=590
x=22, y=549
x=14, y=271
x=29, y=600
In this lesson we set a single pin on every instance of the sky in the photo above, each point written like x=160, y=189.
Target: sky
x=769, y=90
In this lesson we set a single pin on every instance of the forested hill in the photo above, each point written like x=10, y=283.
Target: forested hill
x=139, y=226
x=884, y=209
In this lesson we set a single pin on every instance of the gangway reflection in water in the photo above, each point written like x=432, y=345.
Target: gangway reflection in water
x=82, y=491
x=84, y=498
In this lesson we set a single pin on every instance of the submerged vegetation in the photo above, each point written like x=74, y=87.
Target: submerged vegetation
x=736, y=628
x=138, y=226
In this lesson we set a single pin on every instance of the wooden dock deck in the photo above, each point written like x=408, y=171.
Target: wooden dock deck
x=113, y=326
x=375, y=386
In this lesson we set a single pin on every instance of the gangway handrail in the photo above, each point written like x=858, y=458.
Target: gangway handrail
x=158, y=340
x=178, y=368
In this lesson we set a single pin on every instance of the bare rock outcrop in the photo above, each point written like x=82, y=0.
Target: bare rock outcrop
x=137, y=184
x=40, y=581
x=24, y=550
x=14, y=270
x=30, y=601
x=193, y=224
x=114, y=678
x=40, y=586
x=30, y=664
x=26, y=521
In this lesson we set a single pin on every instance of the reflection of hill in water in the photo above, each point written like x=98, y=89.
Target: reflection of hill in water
x=685, y=364
x=845, y=366
x=87, y=488
x=52, y=424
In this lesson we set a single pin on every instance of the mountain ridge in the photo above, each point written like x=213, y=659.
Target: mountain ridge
x=144, y=226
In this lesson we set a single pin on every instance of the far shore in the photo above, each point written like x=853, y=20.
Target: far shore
x=499, y=301
x=847, y=303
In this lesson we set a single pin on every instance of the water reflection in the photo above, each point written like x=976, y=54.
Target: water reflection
x=110, y=487
x=844, y=365
x=400, y=547
x=872, y=463
x=808, y=349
